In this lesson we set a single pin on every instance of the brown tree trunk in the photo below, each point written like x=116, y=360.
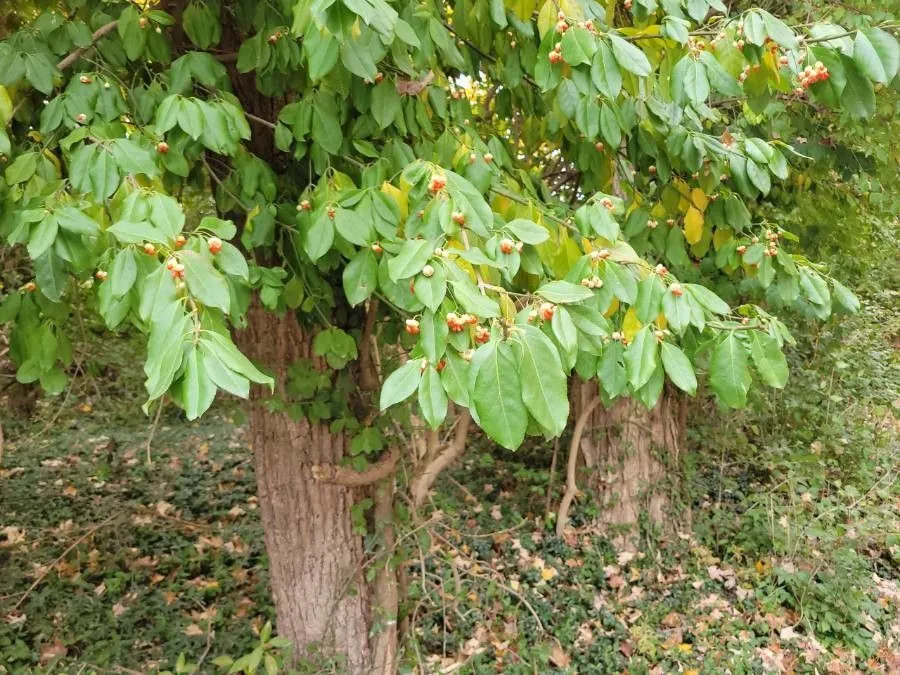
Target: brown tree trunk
x=633, y=457
x=315, y=559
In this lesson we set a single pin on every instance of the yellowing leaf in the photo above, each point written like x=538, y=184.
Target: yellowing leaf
x=771, y=66
x=630, y=324
x=6, y=106
x=522, y=8
x=693, y=225
x=613, y=308
x=501, y=205
x=662, y=321
x=722, y=236
x=507, y=307
x=699, y=198
x=400, y=196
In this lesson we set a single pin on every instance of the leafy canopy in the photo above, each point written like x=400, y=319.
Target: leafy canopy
x=519, y=189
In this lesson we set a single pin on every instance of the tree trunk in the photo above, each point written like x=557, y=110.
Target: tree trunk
x=633, y=457
x=315, y=559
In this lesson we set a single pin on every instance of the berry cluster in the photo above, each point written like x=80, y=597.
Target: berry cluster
x=556, y=55
x=176, y=268
x=592, y=282
x=812, y=74
x=545, y=311
x=457, y=323
x=507, y=246
x=437, y=183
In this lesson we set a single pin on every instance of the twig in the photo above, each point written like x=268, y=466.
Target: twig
x=342, y=475
x=550, y=479
x=43, y=575
x=153, y=429
x=259, y=120
x=562, y=515
x=104, y=30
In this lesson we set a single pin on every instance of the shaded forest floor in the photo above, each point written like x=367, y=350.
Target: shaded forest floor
x=118, y=559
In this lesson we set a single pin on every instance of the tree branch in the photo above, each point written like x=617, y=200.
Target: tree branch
x=562, y=515
x=75, y=55
x=421, y=484
x=341, y=475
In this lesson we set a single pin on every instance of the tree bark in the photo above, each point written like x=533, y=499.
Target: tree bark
x=315, y=559
x=633, y=456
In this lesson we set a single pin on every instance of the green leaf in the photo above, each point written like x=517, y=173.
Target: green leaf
x=611, y=372
x=220, y=374
x=543, y=381
x=399, y=385
x=690, y=82
x=563, y=292
x=360, y=277
x=867, y=58
x=432, y=399
x=473, y=301
x=527, y=231
x=356, y=58
x=43, y=236
x=136, y=232
x=353, y=228
x=122, y=273
x=413, y=255
x=231, y=356
x=769, y=360
x=630, y=57
x=729, y=375
x=157, y=293
x=678, y=368
x=385, y=104
x=844, y=297
x=605, y=73
x=858, y=97
x=433, y=332
x=231, y=261
x=640, y=358
x=719, y=78
x=50, y=275
x=888, y=49
x=319, y=237
x=649, y=299
x=73, y=220
x=455, y=378
x=497, y=396
x=578, y=46
x=677, y=310
x=204, y=281
x=431, y=290
x=707, y=299
x=471, y=203
x=198, y=390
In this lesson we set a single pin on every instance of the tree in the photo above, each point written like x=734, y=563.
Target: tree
x=385, y=239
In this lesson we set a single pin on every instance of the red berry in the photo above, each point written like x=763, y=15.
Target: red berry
x=149, y=248
x=437, y=183
x=507, y=246
x=459, y=218
x=412, y=326
x=305, y=205
x=599, y=147
x=101, y=275
x=162, y=147
x=215, y=245
x=376, y=248
x=488, y=158
x=30, y=287
x=676, y=290
x=546, y=311
x=180, y=241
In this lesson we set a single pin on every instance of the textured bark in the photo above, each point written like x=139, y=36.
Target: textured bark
x=633, y=455
x=315, y=559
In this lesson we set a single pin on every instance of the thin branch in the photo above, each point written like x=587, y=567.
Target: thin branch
x=75, y=55
x=43, y=575
x=341, y=475
x=420, y=485
x=562, y=515
x=259, y=120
